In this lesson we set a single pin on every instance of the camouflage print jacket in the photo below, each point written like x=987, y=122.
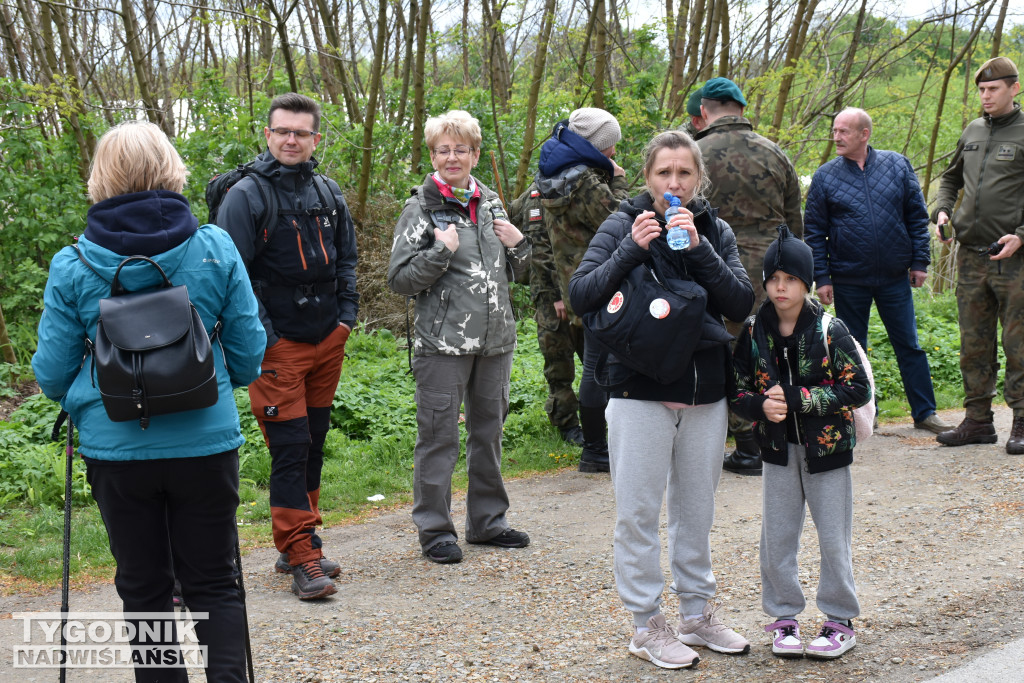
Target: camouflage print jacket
x=527, y=214
x=462, y=298
x=577, y=201
x=753, y=183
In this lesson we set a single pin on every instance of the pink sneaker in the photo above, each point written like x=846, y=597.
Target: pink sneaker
x=786, y=638
x=834, y=640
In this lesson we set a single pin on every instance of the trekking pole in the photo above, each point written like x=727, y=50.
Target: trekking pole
x=69, y=452
x=245, y=612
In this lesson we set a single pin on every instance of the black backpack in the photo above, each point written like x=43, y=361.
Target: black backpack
x=221, y=184
x=152, y=355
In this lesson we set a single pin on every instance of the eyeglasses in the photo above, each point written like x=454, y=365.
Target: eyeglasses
x=459, y=151
x=285, y=132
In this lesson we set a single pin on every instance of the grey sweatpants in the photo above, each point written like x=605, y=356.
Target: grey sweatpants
x=654, y=448
x=442, y=384
x=829, y=496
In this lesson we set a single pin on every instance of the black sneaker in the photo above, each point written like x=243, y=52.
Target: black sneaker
x=309, y=581
x=509, y=538
x=446, y=552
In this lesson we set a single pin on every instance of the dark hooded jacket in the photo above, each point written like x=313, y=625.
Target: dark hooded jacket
x=305, y=275
x=713, y=263
x=821, y=385
x=579, y=190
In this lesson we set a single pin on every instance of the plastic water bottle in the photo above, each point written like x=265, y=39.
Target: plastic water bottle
x=678, y=238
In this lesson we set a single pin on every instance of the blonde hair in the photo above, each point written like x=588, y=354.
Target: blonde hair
x=457, y=124
x=677, y=139
x=134, y=157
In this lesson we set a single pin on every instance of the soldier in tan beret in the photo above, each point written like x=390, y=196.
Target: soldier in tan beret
x=988, y=166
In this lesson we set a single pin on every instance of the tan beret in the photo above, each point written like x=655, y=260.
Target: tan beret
x=994, y=69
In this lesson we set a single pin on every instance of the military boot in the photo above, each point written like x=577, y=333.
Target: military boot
x=1015, y=444
x=746, y=459
x=969, y=431
x=595, y=440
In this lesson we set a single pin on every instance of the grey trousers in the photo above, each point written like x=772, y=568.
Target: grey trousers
x=829, y=496
x=442, y=384
x=654, y=449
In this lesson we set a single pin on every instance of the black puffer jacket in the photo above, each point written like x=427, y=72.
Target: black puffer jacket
x=713, y=263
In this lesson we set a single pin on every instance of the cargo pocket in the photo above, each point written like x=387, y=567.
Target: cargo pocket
x=434, y=408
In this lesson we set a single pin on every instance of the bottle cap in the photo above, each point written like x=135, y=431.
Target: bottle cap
x=671, y=199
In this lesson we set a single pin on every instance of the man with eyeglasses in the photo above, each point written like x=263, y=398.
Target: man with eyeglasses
x=303, y=272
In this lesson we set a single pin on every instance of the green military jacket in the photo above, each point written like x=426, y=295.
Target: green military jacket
x=753, y=183
x=988, y=165
x=576, y=202
x=527, y=214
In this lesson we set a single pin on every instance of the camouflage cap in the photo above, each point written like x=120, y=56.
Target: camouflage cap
x=723, y=89
x=994, y=69
x=693, y=103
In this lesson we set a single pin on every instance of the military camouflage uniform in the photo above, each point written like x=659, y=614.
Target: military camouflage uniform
x=988, y=165
x=558, y=340
x=576, y=203
x=755, y=188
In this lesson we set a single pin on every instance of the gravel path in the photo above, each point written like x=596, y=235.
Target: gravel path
x=938, y=551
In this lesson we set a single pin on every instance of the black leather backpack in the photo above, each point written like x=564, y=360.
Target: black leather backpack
x=152, y=355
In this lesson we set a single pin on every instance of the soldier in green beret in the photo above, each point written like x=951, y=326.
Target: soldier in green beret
x=755, y=188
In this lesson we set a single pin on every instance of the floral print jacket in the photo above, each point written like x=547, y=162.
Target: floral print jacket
x=822, y=386
x=462, y=298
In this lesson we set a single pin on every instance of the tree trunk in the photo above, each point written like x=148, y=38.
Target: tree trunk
x=5, y=341
x=848, y=59
x=410, y=34
x=133, y=44
x=539, y=61
x=371, y=110
x=464, y=29
x=707, y=57
x=953, y=63
x=794, y=48
x=997, y=32
x=419, y=106
x=693, y=43
x=281, y=26
x=600, y=52
x=581, y=65
x=723, y=57
x=334, y=42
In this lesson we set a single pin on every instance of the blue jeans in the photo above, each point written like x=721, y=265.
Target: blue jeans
x=895, y=303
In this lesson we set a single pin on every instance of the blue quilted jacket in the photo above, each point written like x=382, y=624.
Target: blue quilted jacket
x=866, y=226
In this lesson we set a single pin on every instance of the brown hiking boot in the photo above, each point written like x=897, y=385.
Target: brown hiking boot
x=309, y=581
x=967, y=432
x=1015, y=444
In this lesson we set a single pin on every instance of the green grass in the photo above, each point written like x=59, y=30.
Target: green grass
x=370, y=450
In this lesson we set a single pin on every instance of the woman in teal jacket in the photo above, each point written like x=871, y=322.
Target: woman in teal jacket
x=168, y=494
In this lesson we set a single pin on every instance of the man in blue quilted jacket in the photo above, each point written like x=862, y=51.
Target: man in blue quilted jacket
x=867, y=223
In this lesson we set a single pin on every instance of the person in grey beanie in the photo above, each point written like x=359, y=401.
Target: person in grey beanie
x=580, y=186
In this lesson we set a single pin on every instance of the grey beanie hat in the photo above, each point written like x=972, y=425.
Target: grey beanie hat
x=597, y=126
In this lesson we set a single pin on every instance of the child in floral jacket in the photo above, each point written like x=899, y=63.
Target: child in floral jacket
x=800, y=393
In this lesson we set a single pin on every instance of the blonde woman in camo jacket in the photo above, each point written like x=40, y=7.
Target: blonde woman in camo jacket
x=456, y=252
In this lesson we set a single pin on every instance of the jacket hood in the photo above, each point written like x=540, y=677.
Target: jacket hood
x=102, y=246
x=141, y=223
x=565, y=149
